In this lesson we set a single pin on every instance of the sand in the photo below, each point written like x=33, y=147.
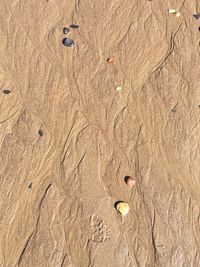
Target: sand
x=68, y=136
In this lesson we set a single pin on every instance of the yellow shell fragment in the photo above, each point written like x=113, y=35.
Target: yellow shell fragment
x=118, y=88
x=123, y=208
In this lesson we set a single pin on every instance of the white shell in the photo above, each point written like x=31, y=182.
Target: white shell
x=171, y=10
x=118, y=88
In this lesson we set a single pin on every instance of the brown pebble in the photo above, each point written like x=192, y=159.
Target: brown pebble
x=40, y=132
x=129, y=181
x=110, y=60
x=7, y=92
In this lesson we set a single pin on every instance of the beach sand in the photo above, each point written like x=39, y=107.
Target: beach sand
x=73, y=124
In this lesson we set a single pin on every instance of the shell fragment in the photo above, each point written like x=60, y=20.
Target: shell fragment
x=171, y=10
x=123, y=208
x=118, y=88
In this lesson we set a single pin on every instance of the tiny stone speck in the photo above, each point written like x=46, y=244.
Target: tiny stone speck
x=40, y=132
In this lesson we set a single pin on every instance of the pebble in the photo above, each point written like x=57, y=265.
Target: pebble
x=197, y=16
x=74, y=26
x=177, y=14
x=65, y=30
x=6, y=91
x=40, y=132
x=68, y=42
x=118, y=88
x=122, y=207
x=129, y=181
x=110, y=60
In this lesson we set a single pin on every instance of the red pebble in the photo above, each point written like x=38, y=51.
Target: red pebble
x=129, y=181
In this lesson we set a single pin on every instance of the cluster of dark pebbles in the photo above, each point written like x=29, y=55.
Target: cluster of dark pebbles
x=67, y=41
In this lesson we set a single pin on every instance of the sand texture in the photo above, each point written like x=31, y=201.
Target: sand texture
x=73, y=125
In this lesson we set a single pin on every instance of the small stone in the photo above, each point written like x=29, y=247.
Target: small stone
x=177, y=14
x=129, y=181
x=74, y=26
x=6, y=91
x=171, y=10
x=110, y=60
x=40, y=132
x=68, y=42
x=197, y=16
x=30, y=185
x=199, y=28
x=122, y=207
x=118, y=88
x=65, y=30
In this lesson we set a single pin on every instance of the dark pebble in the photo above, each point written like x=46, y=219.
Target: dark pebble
x=74, y=26
x=30, y=185
x=40, y=132
x=65, y=30
x=197, y=16
x=68, y=42
x=199, y=28
x=7, y=92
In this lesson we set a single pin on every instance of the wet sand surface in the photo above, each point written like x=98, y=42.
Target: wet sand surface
x=73, y=125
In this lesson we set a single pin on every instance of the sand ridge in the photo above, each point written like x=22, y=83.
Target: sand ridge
x=68, y=136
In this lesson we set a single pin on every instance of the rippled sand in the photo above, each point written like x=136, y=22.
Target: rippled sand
x=68, y=136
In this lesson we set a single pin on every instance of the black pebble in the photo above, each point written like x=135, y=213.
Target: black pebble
x=7, y=92
x=199, y=28
x=65, y=30
x=30, y=185
x=68, y=42
x=40, y=132
x=197, y=16
x=74, y=26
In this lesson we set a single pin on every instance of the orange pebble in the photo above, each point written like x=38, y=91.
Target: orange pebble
x=110, y=60
x=129, y=181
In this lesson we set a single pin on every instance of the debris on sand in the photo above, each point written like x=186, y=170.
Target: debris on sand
x=110, y=60
x=6, y=91
x=40, y=132
x=177, y=14
x=68, y=42
x=74, y=26
x=197, y=16
x=118, y=88
x=122, y=207
x=171, y=10
x=129, y=181
x=65, y=30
